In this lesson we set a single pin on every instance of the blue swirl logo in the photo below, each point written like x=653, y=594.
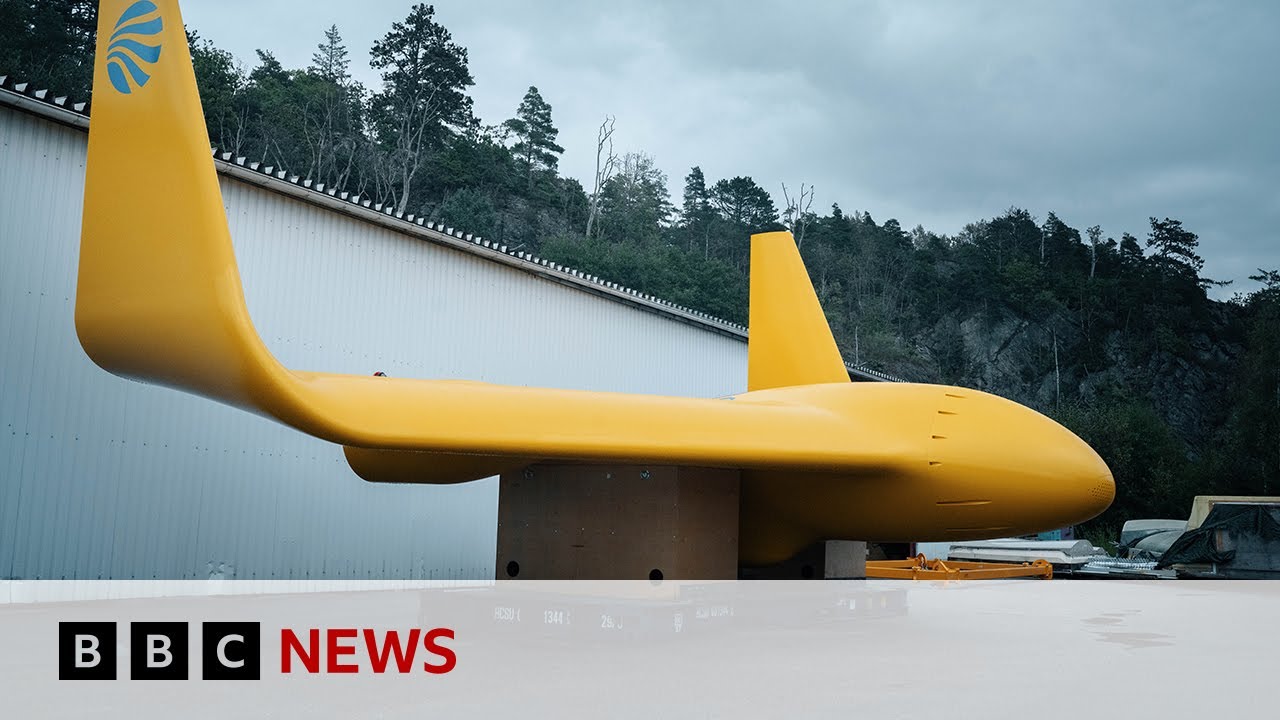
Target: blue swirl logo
x=127, y=48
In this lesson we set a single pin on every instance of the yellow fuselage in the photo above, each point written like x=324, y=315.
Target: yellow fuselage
x=965, y=465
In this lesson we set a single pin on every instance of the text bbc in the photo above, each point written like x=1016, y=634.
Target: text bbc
x=233, y=650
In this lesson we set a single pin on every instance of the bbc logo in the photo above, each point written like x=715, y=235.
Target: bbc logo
x=160, y=651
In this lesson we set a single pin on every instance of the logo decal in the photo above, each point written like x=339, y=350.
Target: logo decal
x=127, y=49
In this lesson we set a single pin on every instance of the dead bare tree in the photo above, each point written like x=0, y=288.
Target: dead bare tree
x=408, y=153
x=797, y=212
x=606, y=160
x=1095, y=236
x=1057, y=373
x=332, y=147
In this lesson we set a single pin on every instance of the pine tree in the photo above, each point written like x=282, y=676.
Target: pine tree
x=423, y=103
x=330, y=59
x=1130, y=251
x=746, y=208
x=696, y=213
x=331, y=106
x=1175, y=247
x=744, y=203
x=535, y=147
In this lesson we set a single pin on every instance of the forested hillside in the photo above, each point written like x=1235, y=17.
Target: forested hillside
x=1112, y=333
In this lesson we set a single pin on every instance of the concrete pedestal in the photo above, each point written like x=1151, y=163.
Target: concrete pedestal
x=594, y=522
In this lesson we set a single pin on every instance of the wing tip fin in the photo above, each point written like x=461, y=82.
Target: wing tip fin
x=790, y=342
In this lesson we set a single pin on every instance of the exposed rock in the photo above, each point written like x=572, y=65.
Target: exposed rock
x=1012, y=356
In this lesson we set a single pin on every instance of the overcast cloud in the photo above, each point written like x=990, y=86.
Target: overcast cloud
x=934, y=113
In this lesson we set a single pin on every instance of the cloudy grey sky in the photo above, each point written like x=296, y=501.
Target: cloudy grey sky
x=934, y=113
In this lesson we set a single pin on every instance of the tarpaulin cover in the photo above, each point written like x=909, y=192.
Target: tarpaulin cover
x=1251, y=530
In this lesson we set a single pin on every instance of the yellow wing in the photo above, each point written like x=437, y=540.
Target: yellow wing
x=159, y=299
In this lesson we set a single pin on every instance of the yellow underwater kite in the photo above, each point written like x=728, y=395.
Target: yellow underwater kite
x=159, y=300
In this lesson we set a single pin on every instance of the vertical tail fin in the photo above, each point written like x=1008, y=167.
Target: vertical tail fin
x=158, y=296
x=790, y=341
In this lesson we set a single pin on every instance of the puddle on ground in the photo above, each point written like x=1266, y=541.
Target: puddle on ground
x=1104, y=620
x=1135, y=640
x=1111, y=618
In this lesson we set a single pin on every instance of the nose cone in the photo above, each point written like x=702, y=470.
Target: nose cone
x=1102, y=492
x=1037, y=474
x=1081, y=486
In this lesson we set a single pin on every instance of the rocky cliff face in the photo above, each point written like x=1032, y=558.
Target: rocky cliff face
x=1002, y=353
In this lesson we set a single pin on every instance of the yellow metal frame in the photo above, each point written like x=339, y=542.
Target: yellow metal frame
x=159, y=300
x=921, y=568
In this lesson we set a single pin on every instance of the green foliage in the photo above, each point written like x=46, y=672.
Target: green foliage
x=664, y=270
x=470, y=209
x=422, y=106
x=1175, y=247
x=49, y=43
x=634, y=203
x=535, y=148
x=696, y=213
x=424, y=76
x=947, y=346
x=330, y=61
x=1250, y=441
x=274, y=129
x=744, y=208
x=221, y=86
x=1148, y=461
x=745, y=204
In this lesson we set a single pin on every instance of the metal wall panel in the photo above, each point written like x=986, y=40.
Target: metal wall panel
x=105, y=478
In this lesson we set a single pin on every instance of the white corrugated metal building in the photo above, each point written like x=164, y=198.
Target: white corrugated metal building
x=106, y=478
